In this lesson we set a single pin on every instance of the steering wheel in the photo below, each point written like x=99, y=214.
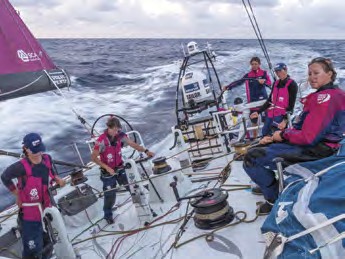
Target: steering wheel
x=128, y=126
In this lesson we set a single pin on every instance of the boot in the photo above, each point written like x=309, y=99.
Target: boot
x=265, y=208
x=256, y=190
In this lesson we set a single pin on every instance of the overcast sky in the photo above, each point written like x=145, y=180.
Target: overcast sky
x=280, y=19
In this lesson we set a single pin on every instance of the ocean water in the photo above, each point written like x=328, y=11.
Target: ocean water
x=136, y=79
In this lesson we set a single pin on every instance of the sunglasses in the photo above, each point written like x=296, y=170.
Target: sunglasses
x=326, y=61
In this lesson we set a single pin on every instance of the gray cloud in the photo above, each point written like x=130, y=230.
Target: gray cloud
x=182, y=18
x=47, y=3
x=238, y=2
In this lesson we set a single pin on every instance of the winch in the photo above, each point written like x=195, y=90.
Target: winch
x=241, y=147
x=77, y=176
x=212, y=209
x=160, y=165
x=200, y=164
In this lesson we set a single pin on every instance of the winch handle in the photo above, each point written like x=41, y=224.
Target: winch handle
x=51, y=192
x=175, y=140
x=182, y=109
x=54, y=187
x=144, y=159
x=205, y=194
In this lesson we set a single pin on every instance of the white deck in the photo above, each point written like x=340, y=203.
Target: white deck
x=243, y=240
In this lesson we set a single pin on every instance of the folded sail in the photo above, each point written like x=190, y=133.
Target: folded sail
x=24, y=62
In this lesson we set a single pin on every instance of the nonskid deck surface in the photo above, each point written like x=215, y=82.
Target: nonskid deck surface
x=243, y=240
x=93, y=238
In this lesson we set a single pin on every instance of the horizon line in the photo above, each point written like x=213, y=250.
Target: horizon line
x=189, y=38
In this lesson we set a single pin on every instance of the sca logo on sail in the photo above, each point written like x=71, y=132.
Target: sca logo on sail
x=28, y=57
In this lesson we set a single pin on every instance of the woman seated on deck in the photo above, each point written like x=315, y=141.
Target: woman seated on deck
x=315, y=135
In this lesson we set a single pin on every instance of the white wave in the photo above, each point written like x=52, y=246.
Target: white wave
x=130, y=76
x=340, y=72
x=168, y=67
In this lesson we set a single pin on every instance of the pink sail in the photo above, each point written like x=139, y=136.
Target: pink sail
x=19, y=50
x=25, y=67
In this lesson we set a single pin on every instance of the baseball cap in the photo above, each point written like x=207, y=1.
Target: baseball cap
x=280, y=66
x=33, y=141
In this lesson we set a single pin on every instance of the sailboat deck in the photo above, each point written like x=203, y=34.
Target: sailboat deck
x=93, y=238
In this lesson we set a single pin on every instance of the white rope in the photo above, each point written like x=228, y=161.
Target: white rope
x=62, y=94
x=81, y=119
x=23, y=87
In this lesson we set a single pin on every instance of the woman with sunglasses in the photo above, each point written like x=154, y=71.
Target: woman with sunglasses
x=107, y=154
x=315, y=135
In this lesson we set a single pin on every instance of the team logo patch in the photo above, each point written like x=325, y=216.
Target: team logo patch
x=322, y=98
x=31, y=244
x=34, y=194
x=28, y=56
x=110, y=158
x=36, y=143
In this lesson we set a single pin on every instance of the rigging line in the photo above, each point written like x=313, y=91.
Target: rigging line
x=256, y=29
x=259, y=36
x=117, y=245
x=121, y=239
x=81, y=119
x=299, y=87
x=6, y=217
x=21, y=88
x=137, y=240
x=209, y=236
x=98, y=249
x=174, y=221
x=262, y=39
x=253, y=26
x=96, y=223
x=145, y=180
x=140, y=181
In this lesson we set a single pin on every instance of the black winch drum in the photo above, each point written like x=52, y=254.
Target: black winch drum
x=77, y=176
x=212, y=210
x=160, y=165
x=200, y=164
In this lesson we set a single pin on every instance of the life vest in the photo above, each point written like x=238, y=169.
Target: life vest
x=33, y=193
x=254, y=90
x=279, y=100
x=111, y=155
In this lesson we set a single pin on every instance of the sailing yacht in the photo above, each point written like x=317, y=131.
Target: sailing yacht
x=192, y=201
x=25, y=67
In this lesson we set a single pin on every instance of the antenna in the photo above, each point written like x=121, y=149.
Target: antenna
x=184, y=52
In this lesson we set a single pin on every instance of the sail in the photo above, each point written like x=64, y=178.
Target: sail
x=24, y=63
x=317, y=201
